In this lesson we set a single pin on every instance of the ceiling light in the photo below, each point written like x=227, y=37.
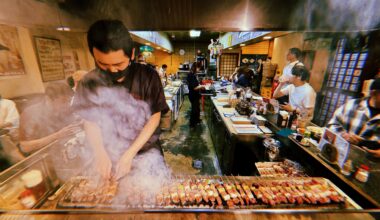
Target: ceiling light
x=267, y=37
x=242, y=45
x=147, y=43
x=158, y=48
x=194, y=33
x=230, y=48
x=63, y=28
x=165, y=50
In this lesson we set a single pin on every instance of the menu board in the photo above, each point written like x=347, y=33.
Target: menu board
x=338, y=142
x=50, y=58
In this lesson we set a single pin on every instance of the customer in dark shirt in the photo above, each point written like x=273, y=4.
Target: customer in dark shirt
x=120, y=97
x=194, y=94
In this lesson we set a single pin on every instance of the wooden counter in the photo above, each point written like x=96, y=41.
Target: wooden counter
x=243, y=215
x=237, y=152
x=367, y=194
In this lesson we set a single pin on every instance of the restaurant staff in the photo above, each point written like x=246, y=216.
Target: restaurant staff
x=292, y=58
x=194, y=95
x=358, y=121
x=301, y=95
x=244, y=77
x=111, y=45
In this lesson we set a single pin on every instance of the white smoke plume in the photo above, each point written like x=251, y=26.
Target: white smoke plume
x=121, y=117
x=337, y=15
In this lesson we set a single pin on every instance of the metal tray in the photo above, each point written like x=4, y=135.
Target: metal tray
x=65, y=202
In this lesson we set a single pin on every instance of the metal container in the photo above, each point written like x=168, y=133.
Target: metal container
x=272, y=149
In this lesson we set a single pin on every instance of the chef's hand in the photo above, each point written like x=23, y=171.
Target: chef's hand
x=103, y=165
x=124, y=165
x=352, y=138
x=375, y=153
x=286, y=107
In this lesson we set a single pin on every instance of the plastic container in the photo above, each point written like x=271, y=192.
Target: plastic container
x=362, y=173
x=27, y=199
x=347, y=168
x=33, y=180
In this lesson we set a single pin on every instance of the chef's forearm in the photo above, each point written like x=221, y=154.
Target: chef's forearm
x=94, y=137
x=145, y=134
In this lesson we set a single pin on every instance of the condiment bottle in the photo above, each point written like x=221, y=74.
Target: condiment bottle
x=362, y=173
x=34, y=181
x=347, y=168
x=27, y=199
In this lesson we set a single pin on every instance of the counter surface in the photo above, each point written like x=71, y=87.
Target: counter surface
x=368, y=190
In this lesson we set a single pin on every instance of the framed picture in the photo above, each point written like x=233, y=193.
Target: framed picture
x=10, y=59
x=50, y=59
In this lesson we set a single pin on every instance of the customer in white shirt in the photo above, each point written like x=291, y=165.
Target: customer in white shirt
x=162, y=71
x=301, y=94
x=9, y=117
x=292, y=57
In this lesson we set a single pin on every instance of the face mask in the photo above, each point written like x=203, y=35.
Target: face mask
x=114, y=76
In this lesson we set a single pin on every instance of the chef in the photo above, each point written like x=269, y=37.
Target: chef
x=121, y=101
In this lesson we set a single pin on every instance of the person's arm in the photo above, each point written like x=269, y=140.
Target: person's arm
x=125, y=163
x=94, y=137
x=28, y=146
x=32, y=145
x=6, y=125
x=278, y=93
x=375, y=153
x=337, y=124
x=199, y=87
x=157, y=102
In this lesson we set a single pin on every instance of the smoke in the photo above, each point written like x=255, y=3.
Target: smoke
x=148, y=175
x=121, y=118
x=337, y=15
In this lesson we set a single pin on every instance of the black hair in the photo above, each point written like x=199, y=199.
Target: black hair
x=302, y=72
x=164, y=66
x=55, y=90
x=375, y=84
x=109, y=35
x=193, y=68
x=295, y=51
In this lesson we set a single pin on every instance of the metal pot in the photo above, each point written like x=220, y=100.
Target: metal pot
x=272, y=149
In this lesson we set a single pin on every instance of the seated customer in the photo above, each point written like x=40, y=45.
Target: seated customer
x=49, y=120
x=358, y=121
x=9, y=117
x=9, y=124
x=301, y=94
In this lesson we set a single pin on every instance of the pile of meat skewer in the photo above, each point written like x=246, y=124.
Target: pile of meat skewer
x=94, y=192
x=234, y=194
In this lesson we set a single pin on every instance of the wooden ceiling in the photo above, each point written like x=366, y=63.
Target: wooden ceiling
x=230, y=15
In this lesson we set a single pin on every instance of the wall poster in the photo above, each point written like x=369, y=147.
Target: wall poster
x=10, y=59
x=50, y=58
x=70, y=62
